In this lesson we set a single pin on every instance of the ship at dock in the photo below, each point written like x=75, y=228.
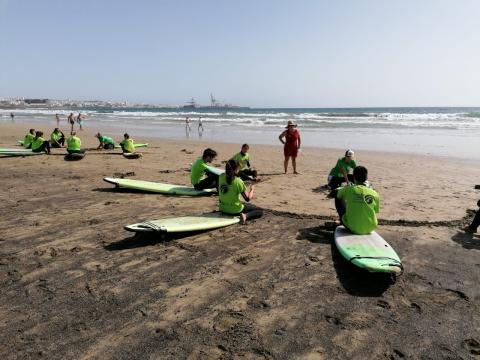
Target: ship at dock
x=214, y=105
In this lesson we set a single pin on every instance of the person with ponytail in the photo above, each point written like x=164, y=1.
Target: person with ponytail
x=230, y=187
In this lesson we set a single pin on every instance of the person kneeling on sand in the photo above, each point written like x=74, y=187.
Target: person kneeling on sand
x=199, y=169
x=127, y=144
x=243, y=158
x=74, y=144
x=57, y=139
x=473, y=227
x=106, y=142
x=39, y=144
x=230, y=187
x=27, y=140
x=357, y=205
x=340, y=173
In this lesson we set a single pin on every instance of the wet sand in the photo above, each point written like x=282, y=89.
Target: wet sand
x=74, y=284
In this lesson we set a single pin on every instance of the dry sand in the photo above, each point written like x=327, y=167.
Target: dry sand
x=75, y=285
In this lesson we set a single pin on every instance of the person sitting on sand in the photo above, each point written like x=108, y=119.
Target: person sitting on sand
x=340, y=173
x=230, y=187
x=473, y=227
x=243, y=158
x=358, y=205
x=106, y=142
x=27, y=140
x=74, y=144
x=39, y=144
x=199, y=169
x=57, y=139
x=127, y=144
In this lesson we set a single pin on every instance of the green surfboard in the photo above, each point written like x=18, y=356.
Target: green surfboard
x=185, y=223
x=370, y=252
x=162, y=188
x=3, y=150
x=136, y=146
x=19, y=153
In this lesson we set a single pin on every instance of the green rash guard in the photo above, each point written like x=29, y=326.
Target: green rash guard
x=243, y=160
x=28, y=140
x=362, y=205
x=55, y=136
x=36, y=143
x=342, y=164
x=229, y=195
x=128, y=145
x=197, y=171
x=106, y=140
x=74, y=143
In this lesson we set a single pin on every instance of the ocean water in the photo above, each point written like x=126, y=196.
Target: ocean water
x=437, y=131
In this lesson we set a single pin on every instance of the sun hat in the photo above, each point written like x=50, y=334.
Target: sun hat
x=290, y=123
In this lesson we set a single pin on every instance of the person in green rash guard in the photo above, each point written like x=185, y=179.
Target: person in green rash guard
x=340, y=173
x=357, y=205
x=106, y=142
x=27, y=140
x=74, y=144
x=39, y=144
x=243, y=158
x=127, y=144
x=199, y=170
x=230, y=187
x=57, y=139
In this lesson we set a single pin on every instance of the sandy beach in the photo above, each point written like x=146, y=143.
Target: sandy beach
x=75, y=285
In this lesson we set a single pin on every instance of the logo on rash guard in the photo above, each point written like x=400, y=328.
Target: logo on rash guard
x=369, y=199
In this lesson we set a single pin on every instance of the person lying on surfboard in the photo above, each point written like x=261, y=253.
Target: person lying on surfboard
x=106, y=142
x=27, y=141
x=243, y=158
x=199, y=170
x=230, y=187
x=357, y=205
x=127, y=144
x=39, y=144
x=473, y=227
x=74, y=144
x=57, y=139
x=340, y=173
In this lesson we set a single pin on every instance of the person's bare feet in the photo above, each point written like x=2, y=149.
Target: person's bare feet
x=296, y=173
x=243, y=218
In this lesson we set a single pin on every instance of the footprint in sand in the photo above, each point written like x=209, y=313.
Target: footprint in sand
x=472, y=345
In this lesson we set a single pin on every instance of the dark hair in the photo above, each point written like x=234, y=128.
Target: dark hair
x=230, y=168
x=360, y=174
x=126, y=135
x=209, y=153
x=56, y=129
x=39, y=133
x=32, y=131
x=245, y=145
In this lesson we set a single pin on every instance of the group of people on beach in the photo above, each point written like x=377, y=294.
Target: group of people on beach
x=356, y=203
x=34, y=140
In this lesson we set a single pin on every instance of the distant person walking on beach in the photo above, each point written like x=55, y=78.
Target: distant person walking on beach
x=12, y=115
x=80, y=120
x=200, y=123
x=71, y=121
x=57, y=117
x=292, y=144
x=187, y=124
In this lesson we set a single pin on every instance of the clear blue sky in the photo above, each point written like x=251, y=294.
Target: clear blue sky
x=250, y=52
